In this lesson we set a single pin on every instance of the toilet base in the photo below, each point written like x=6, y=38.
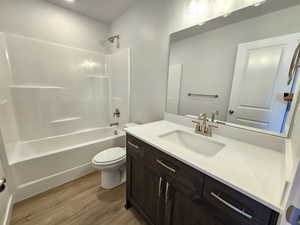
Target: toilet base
x=112, y=178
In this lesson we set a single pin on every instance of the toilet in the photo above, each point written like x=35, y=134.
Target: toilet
x=112, y=163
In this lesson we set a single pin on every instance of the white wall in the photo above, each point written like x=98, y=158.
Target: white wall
x=45, y=21
x=145, y=28
x=118, y=69
x=208, y=59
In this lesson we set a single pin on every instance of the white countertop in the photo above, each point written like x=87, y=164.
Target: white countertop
x=255, y=171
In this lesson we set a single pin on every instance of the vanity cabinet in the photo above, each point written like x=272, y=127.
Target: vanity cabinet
x=144, y=182
x=165, y=191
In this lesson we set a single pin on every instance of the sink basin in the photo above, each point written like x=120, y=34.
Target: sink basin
x=195, y=143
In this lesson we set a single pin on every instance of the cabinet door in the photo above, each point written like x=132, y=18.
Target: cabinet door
x=143, y=189
x=180, y=208
x=183, y=207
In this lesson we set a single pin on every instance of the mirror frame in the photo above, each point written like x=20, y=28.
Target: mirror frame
x=238, y=15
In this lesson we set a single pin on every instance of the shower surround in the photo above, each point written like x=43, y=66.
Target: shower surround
x=52, y=94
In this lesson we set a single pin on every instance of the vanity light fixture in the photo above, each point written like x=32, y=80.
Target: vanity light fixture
x=259, y=3
x=70, y=1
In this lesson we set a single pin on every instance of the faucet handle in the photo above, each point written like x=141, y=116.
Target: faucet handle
x=212, y=124
x=202, y=116
x=214, y=115
x=196, y=121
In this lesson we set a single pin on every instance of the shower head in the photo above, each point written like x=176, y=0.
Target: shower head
x=109, y=42
x=113, y=38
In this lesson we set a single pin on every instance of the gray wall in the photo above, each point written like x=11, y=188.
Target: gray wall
x=145, y=28
x=208, y=59
x=42, y=20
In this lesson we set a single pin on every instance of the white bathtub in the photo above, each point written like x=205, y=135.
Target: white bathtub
x=45, y=163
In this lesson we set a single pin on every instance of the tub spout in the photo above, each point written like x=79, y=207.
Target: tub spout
x=114, y=124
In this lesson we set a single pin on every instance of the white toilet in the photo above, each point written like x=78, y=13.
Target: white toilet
x=112, y=164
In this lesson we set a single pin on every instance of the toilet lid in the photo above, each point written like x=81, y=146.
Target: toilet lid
x=110, y=155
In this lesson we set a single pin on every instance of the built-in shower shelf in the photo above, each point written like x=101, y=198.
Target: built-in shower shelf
x=3, y=101
x=98, y=77
x=34, y=87
x=65, y=120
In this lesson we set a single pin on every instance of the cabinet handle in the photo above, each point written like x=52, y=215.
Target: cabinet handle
x=166, y=166
x=133, y=145
x=159, y=187
x=167, y=193
x=231, y=206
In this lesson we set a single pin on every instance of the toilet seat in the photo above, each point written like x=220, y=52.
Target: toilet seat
x=110, y=156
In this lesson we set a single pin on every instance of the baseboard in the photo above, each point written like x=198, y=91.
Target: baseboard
x=33, y=188
x=8, y=212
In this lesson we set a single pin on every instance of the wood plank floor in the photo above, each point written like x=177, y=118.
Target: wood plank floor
x=80, y=202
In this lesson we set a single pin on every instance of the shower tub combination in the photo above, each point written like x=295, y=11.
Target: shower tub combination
x=57, y=99
x=42, y=164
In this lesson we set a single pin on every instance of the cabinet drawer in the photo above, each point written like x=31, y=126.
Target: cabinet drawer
x=165, y=165
x=174, y=170
x=235, y=204
x=135, y=147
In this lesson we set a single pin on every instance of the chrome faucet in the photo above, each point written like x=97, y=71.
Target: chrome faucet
x=204, y=126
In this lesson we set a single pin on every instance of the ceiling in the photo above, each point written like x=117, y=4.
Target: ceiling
x=105, y=11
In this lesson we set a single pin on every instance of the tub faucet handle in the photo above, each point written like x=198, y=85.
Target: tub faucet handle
x=117, y=113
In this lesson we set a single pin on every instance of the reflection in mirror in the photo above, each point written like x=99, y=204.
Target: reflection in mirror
x=244, y=70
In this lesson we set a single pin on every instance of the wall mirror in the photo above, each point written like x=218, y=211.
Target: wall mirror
x=245, y=71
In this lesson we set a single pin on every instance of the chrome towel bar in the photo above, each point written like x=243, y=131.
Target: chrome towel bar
x=203, y=95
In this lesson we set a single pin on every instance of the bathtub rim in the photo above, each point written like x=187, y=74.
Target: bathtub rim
x=71, y=133
x=14, y=161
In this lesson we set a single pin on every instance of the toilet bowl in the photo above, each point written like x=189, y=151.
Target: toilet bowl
x=111, y=162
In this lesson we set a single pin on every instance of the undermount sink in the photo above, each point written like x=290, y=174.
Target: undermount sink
x=195, y=143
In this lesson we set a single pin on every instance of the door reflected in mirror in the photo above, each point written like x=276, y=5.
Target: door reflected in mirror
x=247, y=71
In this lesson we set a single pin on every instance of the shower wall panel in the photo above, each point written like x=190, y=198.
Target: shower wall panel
x=56, y=89
x=8, y=125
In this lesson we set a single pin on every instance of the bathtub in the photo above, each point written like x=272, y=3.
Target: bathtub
x=42, y=164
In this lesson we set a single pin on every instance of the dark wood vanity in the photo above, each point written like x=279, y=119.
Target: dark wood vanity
x=166, y=191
